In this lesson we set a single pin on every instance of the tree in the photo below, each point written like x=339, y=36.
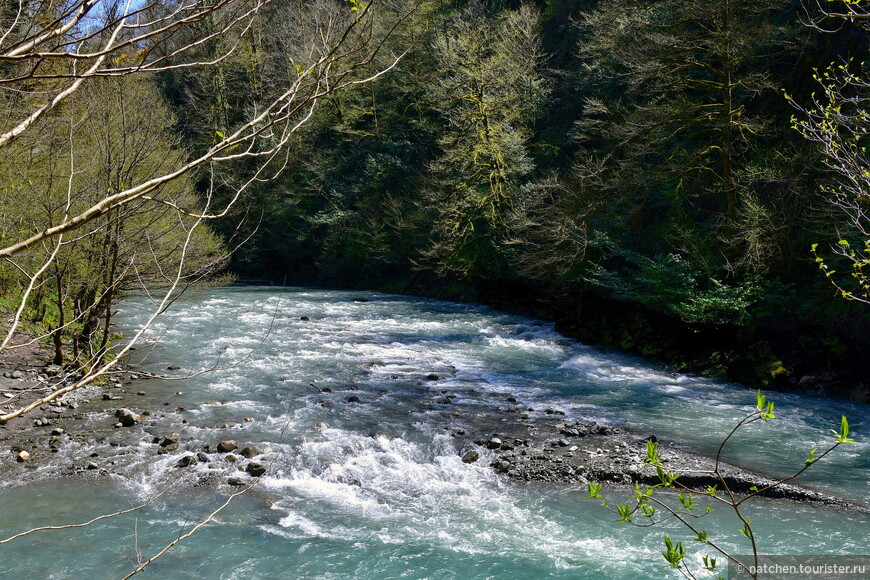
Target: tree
x=489, y=90
x=688, y=71
x=116, y=131
x=837, y=119
x=58, y=51
x=679, y=129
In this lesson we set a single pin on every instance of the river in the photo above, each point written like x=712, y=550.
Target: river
x=375, y=488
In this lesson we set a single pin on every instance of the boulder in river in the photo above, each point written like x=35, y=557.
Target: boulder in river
x=126, y=417
x=227, y=446
x=22, y=456
x=255, y=469
x=249, y=451
x=470, y=456
x=187, y=461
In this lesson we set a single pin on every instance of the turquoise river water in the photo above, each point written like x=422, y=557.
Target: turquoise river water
x=376, y=489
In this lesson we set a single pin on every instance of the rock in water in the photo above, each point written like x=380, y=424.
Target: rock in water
x=255, y=469
x=470, y=457
x=126, y=417
x=227, y=446
x=22, y=456
x=249, y=452
x=187, y=461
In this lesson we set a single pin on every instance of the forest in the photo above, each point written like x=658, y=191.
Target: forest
x=372, y=288
x=681, y=179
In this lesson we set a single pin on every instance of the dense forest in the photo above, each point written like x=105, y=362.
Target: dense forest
x=678, y=178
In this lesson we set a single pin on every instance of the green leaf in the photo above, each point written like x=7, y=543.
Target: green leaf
x=624, y=511
x=843, y=435
x=686, y=501
x=674, y=553
x=709, y=563
x=652, y=453
x=594, y=489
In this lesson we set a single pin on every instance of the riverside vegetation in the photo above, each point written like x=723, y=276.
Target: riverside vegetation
x=675, y=178
x=664, y=178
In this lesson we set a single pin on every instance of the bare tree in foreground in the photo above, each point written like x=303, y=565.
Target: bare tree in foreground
x=837, y=118
x=50, y=54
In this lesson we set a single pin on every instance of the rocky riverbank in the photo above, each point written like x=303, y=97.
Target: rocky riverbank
x=549, y=448
x=26, y=375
